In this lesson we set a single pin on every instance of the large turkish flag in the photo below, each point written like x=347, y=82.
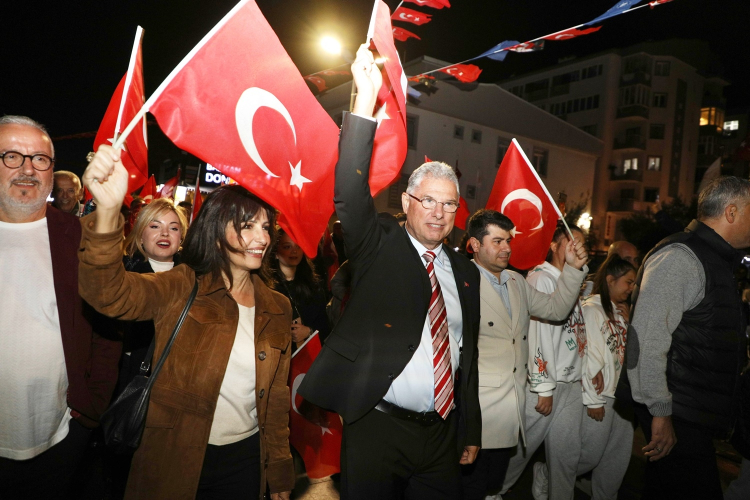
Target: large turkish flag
x=389, y=150
x=314, y=432
x=520, y=194
x=125, y=103
x=238, y=102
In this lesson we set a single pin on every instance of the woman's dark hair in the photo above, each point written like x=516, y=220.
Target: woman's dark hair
x=560, y=233
x=616, y=267
x=206, y=249
x=306, y=281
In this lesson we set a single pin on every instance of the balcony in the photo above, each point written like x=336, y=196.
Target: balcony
x=636, y=110
x=632, y=142
x=641, y=77
x=630, y=175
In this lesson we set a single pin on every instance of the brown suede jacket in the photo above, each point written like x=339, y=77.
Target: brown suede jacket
x=169, y=460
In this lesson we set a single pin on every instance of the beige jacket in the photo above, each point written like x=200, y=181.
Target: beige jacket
x=504, y=349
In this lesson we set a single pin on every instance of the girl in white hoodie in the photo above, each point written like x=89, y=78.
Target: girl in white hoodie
x=606, y=437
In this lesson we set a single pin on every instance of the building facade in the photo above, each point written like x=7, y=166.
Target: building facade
x=658, y=108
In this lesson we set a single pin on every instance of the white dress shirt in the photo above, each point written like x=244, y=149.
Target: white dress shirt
x=414, y=388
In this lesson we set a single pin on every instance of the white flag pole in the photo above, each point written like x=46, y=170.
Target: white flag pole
x=539, y=180
x=157, y=93
x=128, y=78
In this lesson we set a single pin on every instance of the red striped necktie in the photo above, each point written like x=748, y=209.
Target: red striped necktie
x=441, y=349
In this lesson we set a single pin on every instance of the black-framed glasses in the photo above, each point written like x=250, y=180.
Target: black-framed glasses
x=430, y=204
x=40, y=161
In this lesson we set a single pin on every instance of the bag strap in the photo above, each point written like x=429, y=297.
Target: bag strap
x=162, y=359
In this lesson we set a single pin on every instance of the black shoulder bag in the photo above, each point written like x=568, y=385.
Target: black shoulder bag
x=124, y=420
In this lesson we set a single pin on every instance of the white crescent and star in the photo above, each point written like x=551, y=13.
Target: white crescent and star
x=249, y=103
x=524, y=194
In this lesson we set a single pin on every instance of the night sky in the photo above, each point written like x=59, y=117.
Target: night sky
x=62, y=60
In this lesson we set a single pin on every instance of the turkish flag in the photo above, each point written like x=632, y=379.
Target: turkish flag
x=411, y=16
x=319, y=83
x=571, y=33
x=148, y=192
x=462, y=214
x=168, y=189
x=238, y=102
x=403, y=35
x=125, y=103
x=389, y=151
x=314, y=432
x=532, y=46
x=520, y=194
x=435, y=4
x=466, y=73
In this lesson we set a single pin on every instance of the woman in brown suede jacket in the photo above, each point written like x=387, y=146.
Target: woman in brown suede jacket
x=217, y=423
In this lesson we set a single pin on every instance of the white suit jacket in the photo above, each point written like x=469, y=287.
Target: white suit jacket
x=504, y=349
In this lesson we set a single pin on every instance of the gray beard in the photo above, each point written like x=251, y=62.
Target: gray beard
x=10, y=205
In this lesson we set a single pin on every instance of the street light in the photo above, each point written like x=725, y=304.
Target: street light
x=331, y=45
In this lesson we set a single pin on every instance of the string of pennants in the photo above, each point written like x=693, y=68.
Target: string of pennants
x=463, y=71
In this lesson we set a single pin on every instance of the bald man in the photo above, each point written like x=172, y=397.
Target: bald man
x=67, y=192
x=626, y=250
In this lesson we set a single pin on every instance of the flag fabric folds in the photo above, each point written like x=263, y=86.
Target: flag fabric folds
x=125, y=103
x=499, y=52
x=314, y=433
x=619, y=8
x=532, y=46
x=462, y=214
x=411, y=16
x=148, y=191
x=520, y=194
x=403, y=35
x=390, y=142
x=238, y=102
x=435, y=4
x=571, y=33
x=169, y=187
x=463, y=72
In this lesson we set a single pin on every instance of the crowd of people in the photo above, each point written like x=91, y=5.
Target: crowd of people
x=448, y=369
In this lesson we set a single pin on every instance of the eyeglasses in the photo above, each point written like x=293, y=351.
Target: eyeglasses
x=14, y=159
x=430, y=204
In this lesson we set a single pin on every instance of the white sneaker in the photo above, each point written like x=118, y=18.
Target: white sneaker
x=540, y=486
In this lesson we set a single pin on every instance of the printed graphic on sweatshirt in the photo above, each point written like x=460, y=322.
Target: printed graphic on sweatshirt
x=541, y=364
x=617, y=337
x=575, y=331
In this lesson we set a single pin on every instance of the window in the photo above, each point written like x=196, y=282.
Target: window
x=476, y=136
x=660, y=100
x=537, y=90
x=650, y=195
x=706, y=145
x=539, y=160
x=395, y=190
x=502, y=148
x=458, y=132
x=411, y=131
x=712, y=116
x=589, y=129
x=657, y=131
x=654, y=163
x=629, y=164
x=661, y=68
x=634, y=94
x=596, y=102
x=638, y=63
x=471, y=191
x=591, y=71
x=732, y=125
x=627, y=194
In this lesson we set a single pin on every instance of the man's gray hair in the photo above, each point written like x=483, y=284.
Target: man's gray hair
x=434, y=169
x=25, y=120
x=720, y=193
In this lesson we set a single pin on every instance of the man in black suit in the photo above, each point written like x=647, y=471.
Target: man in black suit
x=408, y=424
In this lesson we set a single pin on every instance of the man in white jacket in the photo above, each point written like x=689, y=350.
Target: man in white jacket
x=506, y=305
x=553, y=396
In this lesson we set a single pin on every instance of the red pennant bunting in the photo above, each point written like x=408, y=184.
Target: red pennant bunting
x=403, y=35
x=411, y=16
x=463, y=72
